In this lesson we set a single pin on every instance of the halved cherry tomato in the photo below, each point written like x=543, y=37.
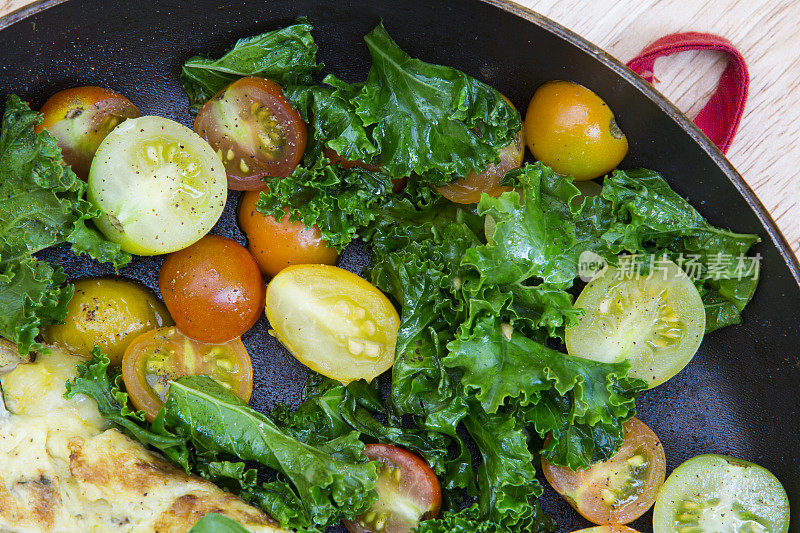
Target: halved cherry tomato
x=655, y=321
x=468, y=190
x=277, y=245
x=333, y=321
x=80, y=118
x=157, y=357
x=715, y=493
x=408, y=492
x=255, y=131
x=621, y=489
x=160, y=187
x=572, y=130
x=398, y=184
x=213, y=289
x=607, y=529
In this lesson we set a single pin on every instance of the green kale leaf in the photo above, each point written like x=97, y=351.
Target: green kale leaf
x=33, y=294
x=217, y=523
x=332, y=481
x=41, y=200
x=648, y=216
x=287, y=56
x=428, y=119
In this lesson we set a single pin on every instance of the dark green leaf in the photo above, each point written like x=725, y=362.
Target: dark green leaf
x=217, y=523
x=287, y=56
x=429, y=119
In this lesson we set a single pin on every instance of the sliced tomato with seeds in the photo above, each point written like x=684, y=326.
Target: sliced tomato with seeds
x=408, y=493
x=621, y=489
x=162, y=355
x=254, y=130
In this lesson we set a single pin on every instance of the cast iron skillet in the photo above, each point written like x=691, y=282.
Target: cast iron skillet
x=739, y=396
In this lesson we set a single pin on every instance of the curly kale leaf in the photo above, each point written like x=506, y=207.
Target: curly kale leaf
x=339, y=201
x=641, y=213
x=33, y=294
x=41, y=200
x=287, y=55
x=428, y=119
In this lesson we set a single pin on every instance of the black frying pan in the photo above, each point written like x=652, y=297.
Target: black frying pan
x=740, y=395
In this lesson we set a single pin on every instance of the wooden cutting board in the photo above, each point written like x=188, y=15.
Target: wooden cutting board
x=764, y=31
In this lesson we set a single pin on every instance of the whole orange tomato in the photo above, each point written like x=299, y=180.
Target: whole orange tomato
x=572, y=130
x=213, y=289
x=277, y=245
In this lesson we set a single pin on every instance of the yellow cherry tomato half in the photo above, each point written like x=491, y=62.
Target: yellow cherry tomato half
x=109, y=313
x=572, y=130
x=333, y=321
x=157, y=357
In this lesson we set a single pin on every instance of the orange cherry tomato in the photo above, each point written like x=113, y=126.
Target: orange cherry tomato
x=80, y=118
x=398, y=184
x=621, y=489
x=213, y=289
x=572, y=130
x=255, y=130
x=408, y=492
x=159, y=356
x=277, y=245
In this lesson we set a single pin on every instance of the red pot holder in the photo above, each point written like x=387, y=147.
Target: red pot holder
x=720, y=118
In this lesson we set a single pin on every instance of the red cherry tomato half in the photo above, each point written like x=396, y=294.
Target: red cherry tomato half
x=162, y=355
x=408, y=493
x=255, y=131
x=80, y=118
x=213, y=289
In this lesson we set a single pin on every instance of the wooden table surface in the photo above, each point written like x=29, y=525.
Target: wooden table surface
x=765, y=150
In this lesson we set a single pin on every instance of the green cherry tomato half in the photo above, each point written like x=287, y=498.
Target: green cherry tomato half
x=333, y=321
x=655, y=321
x=80, y=118
x=160, y=187
x=108, y=313
x=715, y=493
x=572, y=130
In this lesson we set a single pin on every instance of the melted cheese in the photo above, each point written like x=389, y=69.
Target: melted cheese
x=61, y=470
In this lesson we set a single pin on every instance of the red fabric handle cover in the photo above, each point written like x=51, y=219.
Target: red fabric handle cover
x=720, y=118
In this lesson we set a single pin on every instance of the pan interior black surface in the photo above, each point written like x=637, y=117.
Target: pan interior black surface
x=739, y=396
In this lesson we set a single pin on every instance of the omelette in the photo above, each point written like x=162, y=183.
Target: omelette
x=63, y=470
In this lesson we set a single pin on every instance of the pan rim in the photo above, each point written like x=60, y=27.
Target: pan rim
x=619, y=68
